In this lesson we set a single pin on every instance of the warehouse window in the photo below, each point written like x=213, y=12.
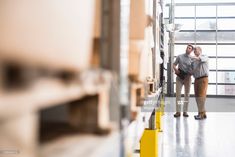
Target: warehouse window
x=212, y=27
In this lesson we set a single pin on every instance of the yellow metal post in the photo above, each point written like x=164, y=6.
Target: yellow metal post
x=162, y=105
x=149, y=139
x=158, y=116
x=149, y=143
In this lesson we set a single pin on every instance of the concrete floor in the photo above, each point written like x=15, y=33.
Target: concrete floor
x=82, y=145
x=187, y=137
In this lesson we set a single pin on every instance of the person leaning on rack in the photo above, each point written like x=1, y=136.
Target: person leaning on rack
x=183, y=78
x=200, y=72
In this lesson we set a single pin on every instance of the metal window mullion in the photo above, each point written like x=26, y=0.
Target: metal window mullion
x=203, y=4
x=182, y=43
x=216, y=49
x=195, y=24
x=218, y=83
x=204, y=30
x=170, y=75
x=206, y=17
x=221, y=57
x=222, y=70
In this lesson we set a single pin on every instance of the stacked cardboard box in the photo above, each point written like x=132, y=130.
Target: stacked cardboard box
x=52, y=34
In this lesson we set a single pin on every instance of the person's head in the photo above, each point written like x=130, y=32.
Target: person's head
x=189, y=48
x=197, y=51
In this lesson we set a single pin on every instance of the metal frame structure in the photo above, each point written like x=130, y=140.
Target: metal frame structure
x=114, y=56
x=170, y=75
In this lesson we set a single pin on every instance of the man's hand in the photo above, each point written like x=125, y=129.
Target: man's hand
x=177, y=71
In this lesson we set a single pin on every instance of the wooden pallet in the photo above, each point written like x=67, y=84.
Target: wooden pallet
x=87, y=98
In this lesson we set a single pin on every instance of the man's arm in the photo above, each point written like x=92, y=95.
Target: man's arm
x=175, y=69
x=175, y=64
x=203, y=58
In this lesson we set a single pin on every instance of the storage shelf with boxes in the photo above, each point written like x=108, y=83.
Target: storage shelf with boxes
x=145, y=63
x=54, y=91
x=47, y=61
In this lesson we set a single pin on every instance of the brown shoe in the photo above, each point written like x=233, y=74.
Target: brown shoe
x=204, y=114
x=200, y=116
x=177, y=114
x=185, y=114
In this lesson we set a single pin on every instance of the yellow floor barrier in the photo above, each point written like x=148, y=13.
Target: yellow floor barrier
x=158, y=116
x=149, y=139
x=162, y=105
x=149, y=143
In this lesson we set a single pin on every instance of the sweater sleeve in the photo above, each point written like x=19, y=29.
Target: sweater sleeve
x=176, y=62
x=203, y=58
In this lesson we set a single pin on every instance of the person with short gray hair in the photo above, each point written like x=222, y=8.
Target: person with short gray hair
x=200, y=71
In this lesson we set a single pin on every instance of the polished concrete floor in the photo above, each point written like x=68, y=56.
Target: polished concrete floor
x=212, y=137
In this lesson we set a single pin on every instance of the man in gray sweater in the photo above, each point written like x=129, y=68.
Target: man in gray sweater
x=182, y=68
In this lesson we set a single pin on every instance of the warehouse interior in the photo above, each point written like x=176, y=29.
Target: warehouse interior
x=95, y=78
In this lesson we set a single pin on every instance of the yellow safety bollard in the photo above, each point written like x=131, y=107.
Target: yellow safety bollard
x=149, y=143
x=162, y=105
x=158, y=116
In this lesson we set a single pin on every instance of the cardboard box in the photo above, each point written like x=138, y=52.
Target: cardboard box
x=140, y=60
x=97, y=24
x=52, y=34
x=138, y=19
x=135, y=49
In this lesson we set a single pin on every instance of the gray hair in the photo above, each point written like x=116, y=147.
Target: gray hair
x=198, y=47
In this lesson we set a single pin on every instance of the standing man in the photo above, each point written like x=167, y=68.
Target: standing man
x=200, y=73
x=183, y=78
